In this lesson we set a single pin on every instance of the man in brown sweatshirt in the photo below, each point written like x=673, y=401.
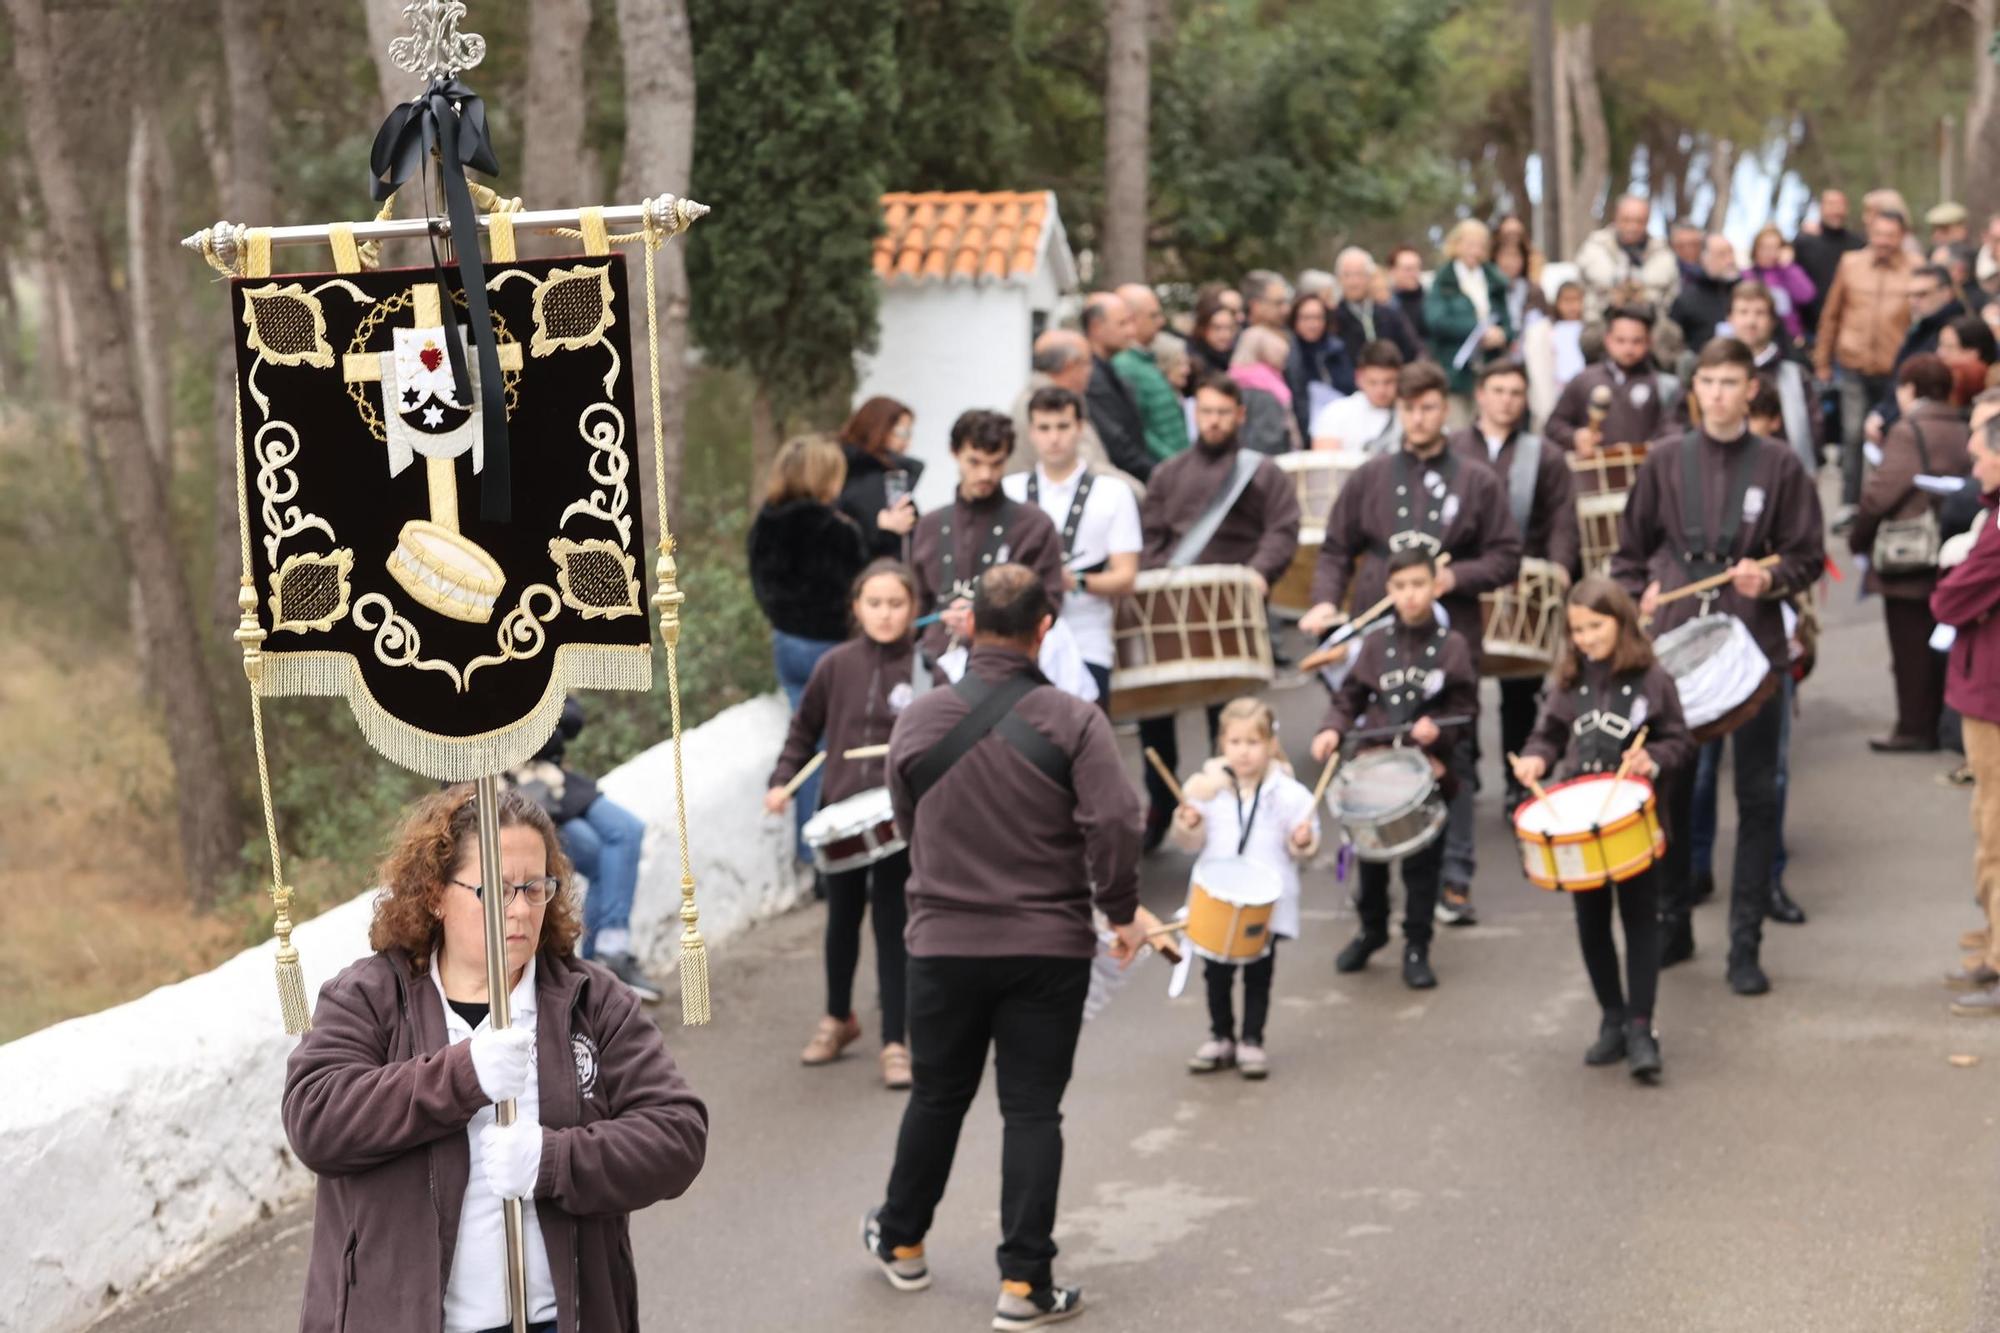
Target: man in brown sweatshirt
x=1619, y=400
x=981, y=528
x=1019, y=817
x=1712, y=502
x=1260, y=530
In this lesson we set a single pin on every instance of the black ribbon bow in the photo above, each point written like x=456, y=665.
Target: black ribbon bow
x=450, y=118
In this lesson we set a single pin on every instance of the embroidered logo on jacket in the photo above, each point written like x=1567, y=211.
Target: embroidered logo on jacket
x=584, y=1051
x=900, y=696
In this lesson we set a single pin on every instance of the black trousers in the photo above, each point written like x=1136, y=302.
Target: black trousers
x=1919, y=672
x=1520, y=703
x=1161, y=734
x=1221, y=981
x=1638, y=906
x=849, y=896
x=1420, y=893
x=1754, y=749
x=1029, y=1010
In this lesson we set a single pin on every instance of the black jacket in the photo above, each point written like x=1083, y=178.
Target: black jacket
x=1411, y=304
x=1390, y=323
x=1921, y=338
x=1329, y=361
x=1702, y=304
x=865, y=495
x=1819, y=256
x=803, y=558
x=1115, y=413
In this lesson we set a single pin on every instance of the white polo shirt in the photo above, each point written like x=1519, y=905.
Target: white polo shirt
x=1109, y=525
x=1359, y=425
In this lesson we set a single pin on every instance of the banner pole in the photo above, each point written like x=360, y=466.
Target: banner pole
x=494, y=892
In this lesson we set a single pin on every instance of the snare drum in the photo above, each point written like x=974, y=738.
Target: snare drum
x=1187, y=638
x=1318, y=477
x=1230, y=901
x=1524, y=625
x=1590, y=832
x=1387, y=803
x=1722, y=675
x=1603, y=481
x=853, y=833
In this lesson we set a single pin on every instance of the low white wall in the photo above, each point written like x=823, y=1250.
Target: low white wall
x=134, y=1139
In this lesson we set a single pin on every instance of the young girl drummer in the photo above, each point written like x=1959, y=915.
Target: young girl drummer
x=1607, y=687
x=1245, y=803
x=852, y=700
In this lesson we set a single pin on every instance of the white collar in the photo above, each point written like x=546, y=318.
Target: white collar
x=520, y=1001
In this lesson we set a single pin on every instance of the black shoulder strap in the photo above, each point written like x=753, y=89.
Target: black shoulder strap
x=1706, y=552
x=992, y=707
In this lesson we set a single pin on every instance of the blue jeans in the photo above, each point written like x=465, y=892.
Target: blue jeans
x=604, y=846
x=795, y=658
x=1702, y=836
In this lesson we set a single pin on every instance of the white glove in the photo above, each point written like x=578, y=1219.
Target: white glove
x=500, y=1059
x=512, y=1157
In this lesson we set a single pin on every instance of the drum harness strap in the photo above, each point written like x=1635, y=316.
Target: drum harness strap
x=1601, y=732
x=989, y=548
x=1192, y=543
x=1070, y=523
x=1523, y=471
x=1702, y=555
x=1402, y=688
x=991, y=709
x=1429, y=527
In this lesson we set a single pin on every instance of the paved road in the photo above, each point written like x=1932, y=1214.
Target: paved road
x=1416, y=1162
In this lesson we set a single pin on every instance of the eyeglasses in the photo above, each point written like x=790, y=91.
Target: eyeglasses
x=536, y=891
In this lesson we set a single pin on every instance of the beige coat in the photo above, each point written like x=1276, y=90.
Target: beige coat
x=1866, y=314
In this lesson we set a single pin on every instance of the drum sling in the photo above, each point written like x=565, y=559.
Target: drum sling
x=1522, y=473
x=1197, y=538
x=1075, y=515
x=1428, y=509
x=1603, y=724
x=1701, y=555
x=991, y=709
x=989, y=548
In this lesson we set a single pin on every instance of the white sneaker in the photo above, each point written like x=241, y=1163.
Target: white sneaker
x=1251, y=1063
x=1213, y=1054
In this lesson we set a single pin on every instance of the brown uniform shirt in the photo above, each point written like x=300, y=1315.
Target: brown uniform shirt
x=1260, y=530
x=1005, y=861
x=1026, y=537
x=1781, y=516
x=1552, y=533
x=1472, y=514
x=1403, y=673
x=1636, y=417
x=1644, y=698
x=853, y=698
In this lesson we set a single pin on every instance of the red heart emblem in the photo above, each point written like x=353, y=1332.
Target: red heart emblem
x=431, y=356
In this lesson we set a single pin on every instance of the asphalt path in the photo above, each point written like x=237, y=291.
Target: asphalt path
x=1812, y=1160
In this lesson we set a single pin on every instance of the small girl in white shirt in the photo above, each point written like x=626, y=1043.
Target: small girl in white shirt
x=1245, y=803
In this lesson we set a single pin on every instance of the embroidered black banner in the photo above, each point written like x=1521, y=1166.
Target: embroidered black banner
x=453, y=639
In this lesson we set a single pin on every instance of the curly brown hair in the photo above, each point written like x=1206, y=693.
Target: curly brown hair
x=428, y=846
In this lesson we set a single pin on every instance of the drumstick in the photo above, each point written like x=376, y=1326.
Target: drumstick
x=1166, y=774
x=1326, y=775
x=1625, y=762
x=1533, y=786
x=1332, y=653
x=1700, y=586
x=810, y=767
x=865, y=752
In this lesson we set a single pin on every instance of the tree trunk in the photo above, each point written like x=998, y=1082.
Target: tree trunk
x=553, y=171
x=210, y=823
x=1982, y=120
x=763, y=440
x=1127, y=110
x=1570, y=208
x=659, y=155
x=1593, y=175
x=385, y=24
x=1721, y=179
x=145, y=228
x=1544, y=64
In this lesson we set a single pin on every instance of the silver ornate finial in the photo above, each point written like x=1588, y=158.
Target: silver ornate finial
x=435, y=48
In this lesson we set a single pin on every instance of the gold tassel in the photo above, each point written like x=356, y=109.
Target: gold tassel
x=695, y=1010
x=291, y=977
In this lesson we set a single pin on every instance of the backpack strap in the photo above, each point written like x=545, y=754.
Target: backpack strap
x=991, y=709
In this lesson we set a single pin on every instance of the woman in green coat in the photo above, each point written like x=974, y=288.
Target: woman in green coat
x=1468, y=289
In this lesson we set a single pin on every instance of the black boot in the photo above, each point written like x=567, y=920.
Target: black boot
x=1745, y=976
x=1676, y=938
x=1609, y=1048
x=1642, y=1050
x=1417, y=974
x=1355, y=956
x=1782, y=908
x=1701, y=887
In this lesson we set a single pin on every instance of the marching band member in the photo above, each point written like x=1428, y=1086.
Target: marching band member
x=1620, y=399
x=1000, y=934
x=1608, y=687
x=1214, y=504
x=1423, y=495
x=1098, y=523
x=1409, y=676
x=1708, y=503
x=1246, y=803
x=852, y=700
x=389, y=1099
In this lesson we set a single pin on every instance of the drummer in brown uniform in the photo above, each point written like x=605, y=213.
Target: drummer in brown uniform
x=1620, y=399
x=1422, y=495
x=981, y=528
x=1000, y=934
x=1404, y=681
x=1214, y=504
x=1541, y=500
x=1711, y=502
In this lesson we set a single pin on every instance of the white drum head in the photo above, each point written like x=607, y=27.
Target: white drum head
x=1233, y=879
x=1716, y=664
x=860, y=811
x=1580, y=806
x=1381, y=784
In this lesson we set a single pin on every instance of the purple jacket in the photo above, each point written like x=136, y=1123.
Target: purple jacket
x=1791, y=291
x=1966, y=598
x=376, y=1106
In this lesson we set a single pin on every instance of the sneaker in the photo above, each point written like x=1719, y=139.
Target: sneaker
x=1355, y=956
x=1958, y=777
x=1213, y=1054
x=1974, y=976
x=833, y=1036
x=1978, y=1004
x=1417, y=974
x=1746, y=976
x=1023, y=1306
x=1251, y=1062
x=626, y=968
x=1455, y=906
x=1609, y=1048
x=896, y=1066
x=903, y=1265
x=1642, y=1046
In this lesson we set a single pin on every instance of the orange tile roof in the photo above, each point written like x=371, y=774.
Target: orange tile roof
x=960, y=235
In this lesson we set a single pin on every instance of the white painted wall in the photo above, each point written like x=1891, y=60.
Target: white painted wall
x=134, y=1139
x=946, y=347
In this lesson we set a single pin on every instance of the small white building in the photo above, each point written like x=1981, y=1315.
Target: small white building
x=968, y=281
